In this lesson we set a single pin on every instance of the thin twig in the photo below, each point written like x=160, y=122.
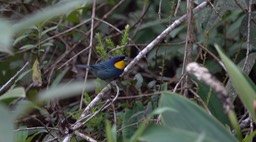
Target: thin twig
x=211, y=54
x=67, y=138
x=79, y=123
x=248, y=47
x=89, y=54
x=34, y=128
x=201, y=101
x=180, y=80
x=12, y=78
x=177, y=8
x=187, y=52
x=87, y=138
x=159, y=9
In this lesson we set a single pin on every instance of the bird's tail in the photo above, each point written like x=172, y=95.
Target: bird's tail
x=82, y=66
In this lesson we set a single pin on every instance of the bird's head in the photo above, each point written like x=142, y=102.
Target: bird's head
x=120, y=61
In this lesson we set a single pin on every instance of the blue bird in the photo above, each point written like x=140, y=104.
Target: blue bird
x=108, y=70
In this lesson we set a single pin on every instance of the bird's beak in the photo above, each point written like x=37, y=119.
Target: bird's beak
x=126, y=59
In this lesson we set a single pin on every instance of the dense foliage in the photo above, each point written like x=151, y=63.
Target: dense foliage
x=45, y=97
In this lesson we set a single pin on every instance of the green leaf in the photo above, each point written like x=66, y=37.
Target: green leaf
x=191, y=117
x=249, y=137
x=66, y=90
x=21, y=136
x=14, y=93
x=6, y=125
x=250, y=63
x=59, y=78
x=47, y=44
x=27, y=46
x=214, y=104
x=111, y=132
x=18, y=39
x=130, y=117
x=162, y=134
x=48, y=30
x=241, y=83
x=22, y=108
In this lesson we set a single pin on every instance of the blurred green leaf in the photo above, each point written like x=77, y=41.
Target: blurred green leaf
x=162, y=134
x=249, y=137
x=59, y=77
x=243, y=85
x=18, y=39
x=191, y=117
x=6, y=125
x=47, y=13
x=250, y=63
x=164, y=86
x=47, y=44
x=139, y=80
x=48, y=30
x=23, y=107
x=213, y=103
x=13, y=93
x=111, y=132
x=66, y=90
x=6, y=36
x=130, y=118
x=27, y=46
x=21, y=136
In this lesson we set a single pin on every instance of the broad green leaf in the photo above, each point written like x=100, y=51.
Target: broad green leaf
x=14, y=93
x=6, y=125
x=250, y=63
x=163, y=134
x=191, y=117
x=212, y=101
x=66, y=90
x=243, y=85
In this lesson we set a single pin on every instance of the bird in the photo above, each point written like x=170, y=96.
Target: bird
x=109, y=69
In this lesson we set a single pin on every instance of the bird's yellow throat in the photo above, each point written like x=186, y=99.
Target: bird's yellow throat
x=120, y=64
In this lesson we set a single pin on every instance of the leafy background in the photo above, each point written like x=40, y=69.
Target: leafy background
x=43, y=41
